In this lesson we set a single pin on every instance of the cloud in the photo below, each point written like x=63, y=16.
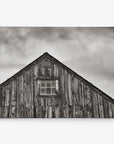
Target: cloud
x=88, y=51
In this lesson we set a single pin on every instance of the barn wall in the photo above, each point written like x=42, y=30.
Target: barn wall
x=19, y=97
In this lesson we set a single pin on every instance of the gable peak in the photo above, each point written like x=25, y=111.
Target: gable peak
x=46, y=53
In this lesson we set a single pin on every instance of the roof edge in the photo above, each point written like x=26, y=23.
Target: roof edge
x=17, y=73
x=107, y=96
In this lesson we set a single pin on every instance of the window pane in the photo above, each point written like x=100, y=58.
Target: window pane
x=53, y=84
x=48, y=91
x=42, y=83
x=42, y=91
x=54, y=91
x=48, y=84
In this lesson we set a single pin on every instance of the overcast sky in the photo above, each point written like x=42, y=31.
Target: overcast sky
x=88, y=51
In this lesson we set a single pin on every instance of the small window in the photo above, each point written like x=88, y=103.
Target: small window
x=45, y=72
x=42, y=72
x=48, y=72
x=48, y=87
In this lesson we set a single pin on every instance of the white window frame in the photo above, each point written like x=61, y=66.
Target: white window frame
x=51, y=87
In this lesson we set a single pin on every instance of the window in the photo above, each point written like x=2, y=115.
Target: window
x=48, y=87
x=42, y=71
x=45, y=72
x=48, y=72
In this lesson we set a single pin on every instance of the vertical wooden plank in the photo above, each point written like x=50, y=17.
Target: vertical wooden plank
x=62, y=94
x=21, y=88
x=66, y=112
x=73, y=91
x=13, y=100
x=110, y=110
x=100, y=102
x=106, y=109
x=89, y=100
x=36, y=102
x=32, y=93
x=73, y=111
x=84, y=100
x=6, y=110
x=76, y=108
x=18, y=98
x=76, y=97
x=7, y=95
x=55, y=101
x=28, y=94
x=65, y=88
x=70, y=111
x=73, y=96
x=46, y=108
x=0, y=102
x=57, y=112
x=62, y=87
x=6, y=98
x=36, y=71
x=49, y=101
x=0, y=112
x=42, y=112
x=86, y=110
x=69, y=89
x=55, y=70
x=22, y=95
x=76, y=90
x=81, y=103
x=37, y=112
x=49, y=112
x=95, y=104
x=26, y=97
x=3, y=96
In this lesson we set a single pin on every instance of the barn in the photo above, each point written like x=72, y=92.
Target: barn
x=46, y=88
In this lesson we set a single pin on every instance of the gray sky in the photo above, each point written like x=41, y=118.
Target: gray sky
x=88, y=51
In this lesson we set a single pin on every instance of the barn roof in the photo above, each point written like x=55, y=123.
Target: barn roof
x=49, y=56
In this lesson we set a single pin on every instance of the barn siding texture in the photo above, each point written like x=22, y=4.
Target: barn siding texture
x=19, y=96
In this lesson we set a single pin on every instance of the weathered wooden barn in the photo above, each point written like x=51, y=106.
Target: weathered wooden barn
x=46, y=88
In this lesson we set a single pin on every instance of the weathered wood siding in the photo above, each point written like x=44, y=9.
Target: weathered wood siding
x=19, y=96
